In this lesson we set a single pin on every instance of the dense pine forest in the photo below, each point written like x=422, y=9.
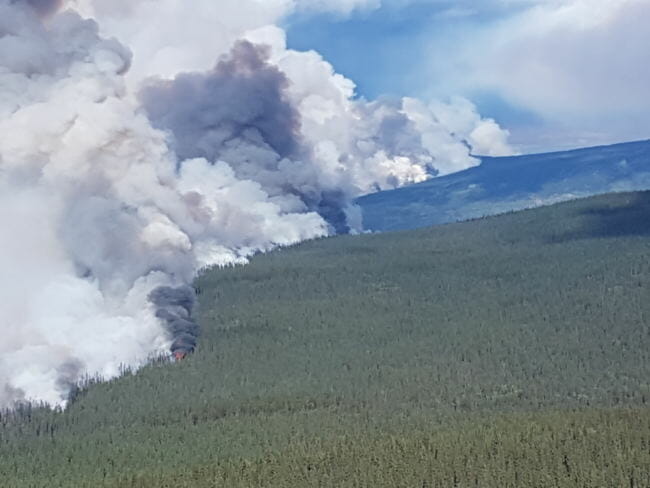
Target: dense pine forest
x=510, y=351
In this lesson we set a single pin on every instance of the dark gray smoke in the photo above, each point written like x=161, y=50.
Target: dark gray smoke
x=240, y=113
x=42, y=7
x=395, y=133
x=241, y=102
x=331, y=206
x=174, y=308
x=67, y=377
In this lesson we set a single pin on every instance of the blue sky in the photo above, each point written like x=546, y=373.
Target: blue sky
x=380, y=49
x=556, y=73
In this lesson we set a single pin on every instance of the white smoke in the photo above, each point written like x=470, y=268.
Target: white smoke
x=114, y=183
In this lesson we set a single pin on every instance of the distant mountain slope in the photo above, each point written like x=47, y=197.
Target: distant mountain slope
x=510, y=183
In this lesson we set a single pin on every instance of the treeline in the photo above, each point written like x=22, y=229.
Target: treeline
x=558, y=449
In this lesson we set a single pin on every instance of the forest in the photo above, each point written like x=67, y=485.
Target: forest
x=509, y=351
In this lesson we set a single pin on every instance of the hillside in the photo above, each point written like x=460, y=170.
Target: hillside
x=510, y=183
x=504, y=352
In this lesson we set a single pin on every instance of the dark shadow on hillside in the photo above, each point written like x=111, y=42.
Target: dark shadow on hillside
x=627, y=216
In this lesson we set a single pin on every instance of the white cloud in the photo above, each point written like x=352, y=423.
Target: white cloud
x=344, y=7
x=581, y=65
x=574, y=57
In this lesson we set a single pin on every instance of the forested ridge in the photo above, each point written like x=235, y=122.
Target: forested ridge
x=509, y=351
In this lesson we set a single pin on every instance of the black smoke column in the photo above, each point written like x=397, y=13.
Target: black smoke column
x=174, y=307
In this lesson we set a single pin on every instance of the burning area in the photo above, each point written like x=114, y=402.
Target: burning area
x=174, y=308
x=141, y=144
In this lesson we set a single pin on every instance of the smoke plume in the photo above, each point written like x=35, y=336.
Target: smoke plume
x=174, y=308
x=128, y=165
x=241, y=102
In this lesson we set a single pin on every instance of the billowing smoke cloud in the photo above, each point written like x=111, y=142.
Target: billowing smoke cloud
x=115, y=190
x=240, y=113
x=238, y=108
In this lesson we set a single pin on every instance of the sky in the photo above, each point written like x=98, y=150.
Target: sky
x=556, y=73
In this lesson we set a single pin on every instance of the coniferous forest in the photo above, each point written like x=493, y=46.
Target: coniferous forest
x=511, y=351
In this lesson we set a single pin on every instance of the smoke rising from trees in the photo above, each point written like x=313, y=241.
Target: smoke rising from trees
x=116, y=187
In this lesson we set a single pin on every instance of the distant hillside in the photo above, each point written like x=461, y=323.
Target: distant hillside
x=511, y=183
x=512, y=351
